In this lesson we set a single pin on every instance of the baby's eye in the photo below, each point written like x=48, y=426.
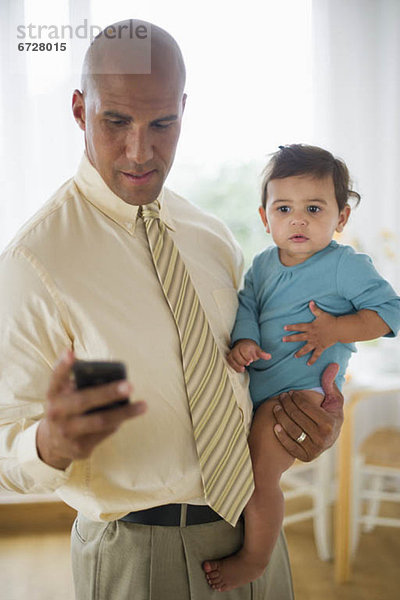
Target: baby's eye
x=283, y=209
x=313, y=209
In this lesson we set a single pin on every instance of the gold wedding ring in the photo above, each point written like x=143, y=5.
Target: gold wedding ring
x=301, y=437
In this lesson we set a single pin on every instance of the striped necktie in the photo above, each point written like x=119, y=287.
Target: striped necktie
x=219, y=433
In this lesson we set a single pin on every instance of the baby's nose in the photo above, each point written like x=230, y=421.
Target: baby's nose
x=298, y=220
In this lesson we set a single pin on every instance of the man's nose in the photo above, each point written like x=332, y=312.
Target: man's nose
x=139, y=147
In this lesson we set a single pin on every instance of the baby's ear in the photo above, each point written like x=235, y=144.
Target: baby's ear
x=263, y=216
x=343, y=218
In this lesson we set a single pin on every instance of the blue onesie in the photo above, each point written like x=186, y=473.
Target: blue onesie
x=340, y=281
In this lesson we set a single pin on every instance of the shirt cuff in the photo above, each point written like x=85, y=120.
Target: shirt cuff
x=391, y=318
x=41, y=477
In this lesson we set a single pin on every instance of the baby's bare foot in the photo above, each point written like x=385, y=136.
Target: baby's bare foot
x=232, y=572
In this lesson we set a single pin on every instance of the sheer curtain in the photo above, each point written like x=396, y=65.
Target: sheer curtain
x=240, y=104
x=253, y=67
x=40, y=144
x=356, y=89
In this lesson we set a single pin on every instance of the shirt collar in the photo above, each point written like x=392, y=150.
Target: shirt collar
x=93, y=187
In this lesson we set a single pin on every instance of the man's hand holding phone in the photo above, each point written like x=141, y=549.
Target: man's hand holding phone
x=77, y=420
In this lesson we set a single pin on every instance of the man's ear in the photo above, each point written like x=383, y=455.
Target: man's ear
x=343, y=218
x=263, y=216
x=78, y=109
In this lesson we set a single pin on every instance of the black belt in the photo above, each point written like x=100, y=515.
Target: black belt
x=173, y=515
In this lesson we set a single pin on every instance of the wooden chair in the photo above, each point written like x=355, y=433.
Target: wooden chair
x=312, y=480
x=375, y=479
x=364, y=465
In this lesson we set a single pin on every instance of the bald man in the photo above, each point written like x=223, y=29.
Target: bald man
x=80, y=281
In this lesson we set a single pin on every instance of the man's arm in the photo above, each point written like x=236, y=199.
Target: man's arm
x=35, y=432
x=66, y=433
x=321, y=424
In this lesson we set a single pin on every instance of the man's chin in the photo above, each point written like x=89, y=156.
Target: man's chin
x=140, y=194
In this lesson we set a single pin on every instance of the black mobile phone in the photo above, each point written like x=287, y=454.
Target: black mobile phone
x=89, y=373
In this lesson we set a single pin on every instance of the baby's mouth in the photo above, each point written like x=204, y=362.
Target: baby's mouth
x=298, y=237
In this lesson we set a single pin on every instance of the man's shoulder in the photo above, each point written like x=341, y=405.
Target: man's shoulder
x=34, y=229
x=186, y=213
x=183, y=208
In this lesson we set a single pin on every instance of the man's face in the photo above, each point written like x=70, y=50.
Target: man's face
x=132, y=125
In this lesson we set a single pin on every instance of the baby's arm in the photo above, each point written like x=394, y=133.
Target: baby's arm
x=327, y=330
x=245, y=352
x=246, y=332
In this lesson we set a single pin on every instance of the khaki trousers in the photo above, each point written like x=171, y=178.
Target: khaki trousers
x=126, y=561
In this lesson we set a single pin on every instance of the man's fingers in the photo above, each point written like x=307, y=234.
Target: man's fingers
x=333, y=401
x=105, y=421
x=299, y=407
x=295, y=449
x=292, y=418
x=299, y=415
x=328, y=378
x=136, y=408
x=328, y=421
x=61, y=374
x=86, y=432
x=96, y=397
x=80, y=401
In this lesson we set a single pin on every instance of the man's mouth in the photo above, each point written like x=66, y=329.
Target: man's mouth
x=139, y=178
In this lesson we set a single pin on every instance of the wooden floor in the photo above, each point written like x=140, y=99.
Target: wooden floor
x=375, y=573
x=36, y=565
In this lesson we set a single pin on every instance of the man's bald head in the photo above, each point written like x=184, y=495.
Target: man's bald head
x=133, y=47
x=131, y=106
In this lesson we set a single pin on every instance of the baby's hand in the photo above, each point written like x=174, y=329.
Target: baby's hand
x=319, y=335
x=244, y=353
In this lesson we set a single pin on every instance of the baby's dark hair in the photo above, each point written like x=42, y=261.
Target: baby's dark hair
x=301, y=159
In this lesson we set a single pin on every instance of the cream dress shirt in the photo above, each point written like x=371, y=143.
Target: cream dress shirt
x=79, y=274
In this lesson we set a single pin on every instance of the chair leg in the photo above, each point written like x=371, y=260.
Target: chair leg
x=373, y=504
x=322, y=500
x=343, y=501
x=357, y=482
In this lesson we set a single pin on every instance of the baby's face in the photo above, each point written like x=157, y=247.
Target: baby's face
x=302, y=215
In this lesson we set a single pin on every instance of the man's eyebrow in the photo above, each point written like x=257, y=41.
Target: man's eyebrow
x=167, y=118
x=116, y=115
